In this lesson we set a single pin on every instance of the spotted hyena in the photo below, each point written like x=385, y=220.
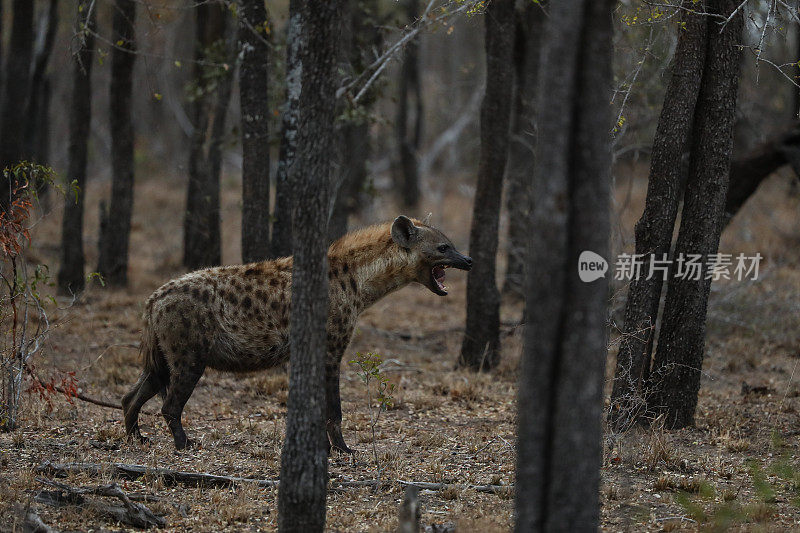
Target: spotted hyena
x=236, y=318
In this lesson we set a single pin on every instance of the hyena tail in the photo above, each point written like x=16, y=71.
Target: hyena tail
x=155, y=363
x=153, y=380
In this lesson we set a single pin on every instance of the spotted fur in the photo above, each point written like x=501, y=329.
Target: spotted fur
x=236, y=318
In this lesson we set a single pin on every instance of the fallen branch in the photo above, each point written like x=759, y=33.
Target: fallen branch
x=490, y=489
x=79, y=395
x=203, y=480
x=30, y=521
x=130, y=513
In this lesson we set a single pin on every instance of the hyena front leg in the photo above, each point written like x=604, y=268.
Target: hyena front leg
x=333, y=402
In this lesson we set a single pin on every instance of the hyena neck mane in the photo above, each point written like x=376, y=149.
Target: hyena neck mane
x=367, y=264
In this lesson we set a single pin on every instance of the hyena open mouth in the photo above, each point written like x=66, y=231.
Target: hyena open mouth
x=437, y=275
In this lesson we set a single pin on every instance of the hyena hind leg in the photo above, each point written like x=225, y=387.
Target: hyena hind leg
x=147, y=387
x=181, y=386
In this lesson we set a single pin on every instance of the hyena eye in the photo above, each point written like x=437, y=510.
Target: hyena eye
x=442, y=248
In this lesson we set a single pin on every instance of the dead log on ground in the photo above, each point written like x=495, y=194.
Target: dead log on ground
x=129, y=513
x=489, y=489
x=203, y=480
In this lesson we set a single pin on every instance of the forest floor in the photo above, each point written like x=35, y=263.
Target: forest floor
x=737, y=467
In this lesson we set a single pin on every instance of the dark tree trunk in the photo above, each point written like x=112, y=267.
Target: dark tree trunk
x=202, y=244
x=304, y=458
x=254, y=100
x=282, y=221
x=522, y=144
x=480, y=349
x=681, y=342
x=360, y=37
x=71, y=276
x=654, y=230
x=748, y=172
x=561, y=381
x=36, y=124
x=114, y=240
x=410, y=88
x=17, y=88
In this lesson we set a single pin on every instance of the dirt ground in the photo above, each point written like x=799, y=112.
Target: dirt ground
x=736, y=469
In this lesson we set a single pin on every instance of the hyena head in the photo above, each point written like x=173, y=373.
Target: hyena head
x=431, y=251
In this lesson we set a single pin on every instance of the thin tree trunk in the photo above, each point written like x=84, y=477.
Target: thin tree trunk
x=39, y=96
x=114, y=241
x=561, y=381
x=409, y=143
x=71, y=275
x=17, y=88
x=480, y=349
x=304, y=460
x=254, y=100
x=655, y=228
x=213, y=75
x=681, y=343
x=282, y=221
x=522, y=145
x=360, y=37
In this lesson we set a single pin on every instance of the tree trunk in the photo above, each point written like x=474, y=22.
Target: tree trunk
x=361, y=37
x=681, y=343
x=655, y=228
x=522, y=144
x=213, y=79
x=39, y=95
x=561, y=382
x=113, y=261
x=409, y=142
x=748, y=172
x=282, y=221
x=71, y=276
x=304, y=460
x=254, y=100
x=480, y=349
x=17, y=88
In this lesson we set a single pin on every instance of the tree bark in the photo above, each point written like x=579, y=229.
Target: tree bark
x=71, y=275
x=304, y=460
x=254, y=100
x=681, y=343
x=361, y=37
x=561, y=381
x=17, y=88
x=748, y=172
x=114, y=241
x=409, y=142
x=480, y=349
x=522, y=145
x=213, y=76
x=282, y=221
x=36, y=123
x=655, y=228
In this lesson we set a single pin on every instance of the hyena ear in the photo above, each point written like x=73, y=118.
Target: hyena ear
x=404, y=231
